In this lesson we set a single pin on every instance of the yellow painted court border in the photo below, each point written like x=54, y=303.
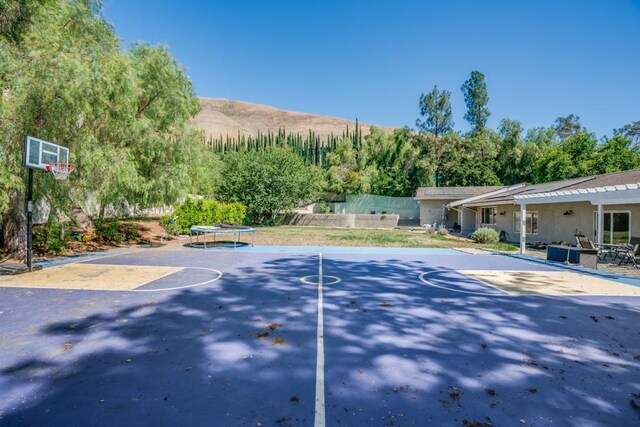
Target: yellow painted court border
x=553, y=283
x=102, y=277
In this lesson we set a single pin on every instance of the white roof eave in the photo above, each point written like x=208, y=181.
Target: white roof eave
x=622, y=193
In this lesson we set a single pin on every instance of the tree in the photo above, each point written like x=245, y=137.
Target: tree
x=555, y=165
x=394, y=165
x=461, y=164
x=568, y=126
x=510, y=151
x=569, y=159
x=344, y=176
x=123, y=114
x=631, y=131
x=269, y=182
x=476, y=98
x=435, y=108
x=615, y=154
x=536, y=142
x=16, y=17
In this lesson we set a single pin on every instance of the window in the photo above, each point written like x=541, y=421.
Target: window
x=616, y=227
x=489, y=215
x=532, y=222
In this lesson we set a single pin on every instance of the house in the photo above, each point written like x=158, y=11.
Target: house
x=605, y=208
x=434, y=201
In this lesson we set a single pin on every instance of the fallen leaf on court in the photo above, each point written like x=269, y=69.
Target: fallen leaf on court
x=468, y=423
x=490, y=391
x=262, y=334
x=67, y=346
x=274, y=326
x=279, y=340
x=594, y=318
x=610, y=317
x=152, y=303
x=294, y=399
x=384, y=304
x=484, y=345
x=454, y=393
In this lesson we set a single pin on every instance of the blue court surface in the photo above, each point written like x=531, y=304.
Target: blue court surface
x=317, y=336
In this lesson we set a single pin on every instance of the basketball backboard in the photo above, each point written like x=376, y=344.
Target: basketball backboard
x=39, y=153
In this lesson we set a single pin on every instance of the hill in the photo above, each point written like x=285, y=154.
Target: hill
x=227, y=117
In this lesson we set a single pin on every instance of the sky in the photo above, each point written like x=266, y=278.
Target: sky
x=371, y=60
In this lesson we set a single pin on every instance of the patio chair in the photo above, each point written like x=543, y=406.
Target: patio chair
x=631, y=256
x=584, y=243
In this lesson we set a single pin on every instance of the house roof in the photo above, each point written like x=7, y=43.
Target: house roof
x=576, y=189
x=611, y=188
x=453, y=193
x=509, y=196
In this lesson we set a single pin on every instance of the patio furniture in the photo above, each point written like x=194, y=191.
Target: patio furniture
x=630, y=255
x=573, y=255
x=585, y=243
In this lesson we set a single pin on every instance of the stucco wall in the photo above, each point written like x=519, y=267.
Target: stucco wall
x=431, y=211
x=553, y=225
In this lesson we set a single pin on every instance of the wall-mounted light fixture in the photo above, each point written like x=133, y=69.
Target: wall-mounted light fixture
x=568, y=212
x=502, y=213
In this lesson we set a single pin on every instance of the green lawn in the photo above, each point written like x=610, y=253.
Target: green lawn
x=403, y=238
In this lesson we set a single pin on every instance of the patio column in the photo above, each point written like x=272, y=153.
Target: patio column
x=523, y=228
x=600, y=224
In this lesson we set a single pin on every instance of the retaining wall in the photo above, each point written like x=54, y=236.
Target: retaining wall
x=344, y=220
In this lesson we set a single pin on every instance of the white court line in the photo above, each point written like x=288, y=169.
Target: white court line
x=184, y=286
x=320, y=418
x=307, y=280
x=462, y=291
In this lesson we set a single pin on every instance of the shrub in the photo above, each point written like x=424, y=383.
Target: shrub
x=485, y=235
x=203, y=212
x=50, y=238
x=443, y=231
x=324, y=207
x=110, y=230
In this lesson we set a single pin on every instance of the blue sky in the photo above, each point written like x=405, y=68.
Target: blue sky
x=372, y=59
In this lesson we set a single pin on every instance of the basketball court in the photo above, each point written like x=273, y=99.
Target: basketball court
x=317, y=336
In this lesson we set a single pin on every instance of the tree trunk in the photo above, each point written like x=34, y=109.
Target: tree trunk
x=60, y=220
x=15, y=226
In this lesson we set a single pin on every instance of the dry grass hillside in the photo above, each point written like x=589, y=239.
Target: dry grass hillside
x=226, y=117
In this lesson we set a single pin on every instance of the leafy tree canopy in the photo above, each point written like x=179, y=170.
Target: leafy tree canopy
x=268, y=182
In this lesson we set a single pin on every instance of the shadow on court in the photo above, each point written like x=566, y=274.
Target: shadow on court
x=402, y=354
x=397, y=352
x=203, y=356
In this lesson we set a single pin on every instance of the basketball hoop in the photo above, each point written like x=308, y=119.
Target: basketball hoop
x=60, y=170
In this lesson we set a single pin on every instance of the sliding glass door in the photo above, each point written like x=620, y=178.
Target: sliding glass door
x=616, y=227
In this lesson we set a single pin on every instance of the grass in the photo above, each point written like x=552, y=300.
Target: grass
x=399, y=238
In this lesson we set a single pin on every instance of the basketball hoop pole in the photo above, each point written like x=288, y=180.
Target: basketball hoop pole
x=29, y=218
